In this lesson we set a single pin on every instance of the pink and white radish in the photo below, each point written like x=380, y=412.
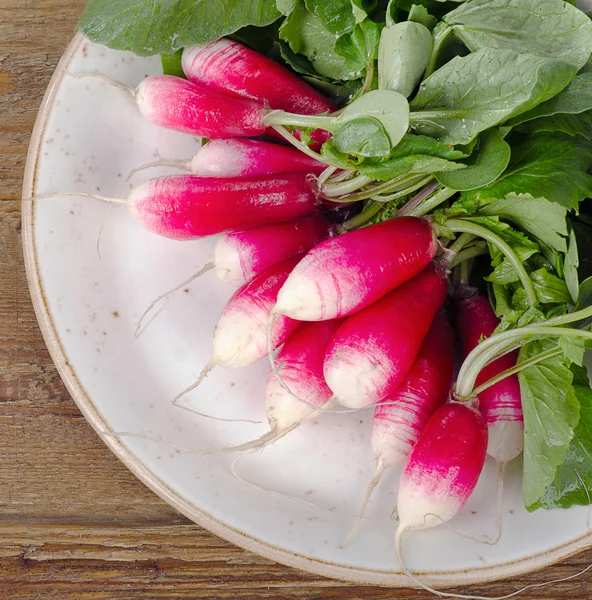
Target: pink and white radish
x=241, y=157
x=500, y=404
x=400, y=418
x=374, y=350
x=231, y=68
x=240, y=337
x=441, y=472
x=300, y=365
x=242, y=255
x=347, y=273
x=185, y=207
x=178, y=104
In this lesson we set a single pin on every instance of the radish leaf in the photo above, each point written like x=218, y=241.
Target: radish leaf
x=149, y=27
x=475, y=92
x=572, y=484
x=172, y=64
x=306, y=34
x=547, y=166
x=364, y=136
x=403, y=55
x=543, y=219
x=484, y=166
x=551, y=412
x=576, y=98
x=548, y=28
x=572, y=262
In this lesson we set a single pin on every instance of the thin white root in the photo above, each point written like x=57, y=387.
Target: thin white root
x=267, y=439
x=465, y=536
x=139, y=332
x=183, y=165
x=381, y=468
x=501, y=467
x=78, y=195
x=102, y=228
x=204, y=373
x=207, y=267
x=126, y=88
x=255, y=445
x=213, y=417
x=262, y=489
x=399, y=551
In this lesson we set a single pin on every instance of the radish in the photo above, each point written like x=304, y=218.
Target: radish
x=185, y=207
x=400, y=418
x=178, y=104
x=300, y=365
x=441, y=472
x=345, y=274
x=240, y=157
x=374, y=350
x=500, y=404
x=240, y=256
x=240, y=337
x=231, y=68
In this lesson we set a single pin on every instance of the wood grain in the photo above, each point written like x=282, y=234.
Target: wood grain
x=74, y=523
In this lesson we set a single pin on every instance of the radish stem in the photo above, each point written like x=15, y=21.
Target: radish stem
x=520, y=367
x=298, y=144
x=489, y=349
x=371, y=209
x=282, y=118
x=430, y=203
x=334, y=190
x=468, y=254
x=457, y=225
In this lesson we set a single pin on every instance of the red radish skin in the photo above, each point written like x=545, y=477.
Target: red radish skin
x=233, y=69
x=345, y=274
x=500, y=404
x=178, y=104
x=374, y=350
x=251, y=158
x=400, y=418
x=184, y=207
x=300, y=365
x=240, y=337
x=242, y=255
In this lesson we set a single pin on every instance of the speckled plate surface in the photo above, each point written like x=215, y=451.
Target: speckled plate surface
x=88, y=136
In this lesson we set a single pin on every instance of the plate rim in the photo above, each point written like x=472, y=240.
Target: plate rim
x=143, y=472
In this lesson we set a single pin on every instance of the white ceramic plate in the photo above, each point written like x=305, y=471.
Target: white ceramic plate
x=88, y=136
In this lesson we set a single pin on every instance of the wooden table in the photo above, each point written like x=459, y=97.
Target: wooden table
x=74, y=523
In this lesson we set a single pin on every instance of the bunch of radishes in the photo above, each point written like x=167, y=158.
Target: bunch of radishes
x=359, y=315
